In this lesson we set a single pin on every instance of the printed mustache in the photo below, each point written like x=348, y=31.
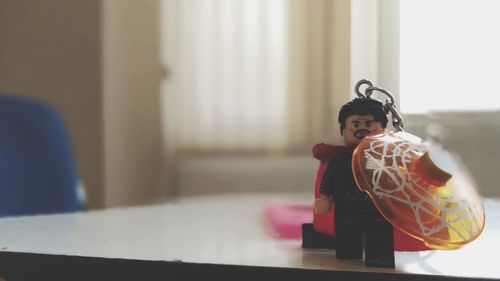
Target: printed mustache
x=361, y=133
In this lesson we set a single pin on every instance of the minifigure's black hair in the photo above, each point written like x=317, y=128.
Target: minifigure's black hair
x=363, y=106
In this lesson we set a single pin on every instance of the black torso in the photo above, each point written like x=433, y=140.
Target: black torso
x=338, y=181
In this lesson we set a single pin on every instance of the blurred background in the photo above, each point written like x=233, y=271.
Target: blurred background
x=168, y=98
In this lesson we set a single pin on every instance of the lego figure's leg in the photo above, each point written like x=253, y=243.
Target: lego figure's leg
x=315, y=240
x=349, y=238
x=379, y=248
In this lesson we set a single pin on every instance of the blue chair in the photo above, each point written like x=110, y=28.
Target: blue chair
x=38, y=174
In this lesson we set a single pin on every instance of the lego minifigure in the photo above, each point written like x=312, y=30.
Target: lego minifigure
x=358, y=223
x=383, y=191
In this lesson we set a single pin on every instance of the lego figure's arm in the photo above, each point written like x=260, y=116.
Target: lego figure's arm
x=323, y=203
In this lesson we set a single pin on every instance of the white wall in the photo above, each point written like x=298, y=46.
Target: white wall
x=201, y=175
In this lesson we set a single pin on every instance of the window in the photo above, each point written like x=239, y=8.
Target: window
x=228, y=63
x=449, y=55
x=449, y=59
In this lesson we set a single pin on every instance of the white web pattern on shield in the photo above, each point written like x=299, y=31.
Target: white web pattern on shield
x=457, y=216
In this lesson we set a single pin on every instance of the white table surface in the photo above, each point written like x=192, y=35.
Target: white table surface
x=224, y=230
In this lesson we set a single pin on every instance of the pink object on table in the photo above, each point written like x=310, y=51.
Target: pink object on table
x=285, y=220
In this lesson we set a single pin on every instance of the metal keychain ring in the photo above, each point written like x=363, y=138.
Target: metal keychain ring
x=397, y=120
x=384, y=91
x=359, y=84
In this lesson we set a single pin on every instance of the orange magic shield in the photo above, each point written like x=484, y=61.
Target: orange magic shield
x=419, y=188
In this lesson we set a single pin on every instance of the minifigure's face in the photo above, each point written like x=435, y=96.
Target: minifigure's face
x=358, y=126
